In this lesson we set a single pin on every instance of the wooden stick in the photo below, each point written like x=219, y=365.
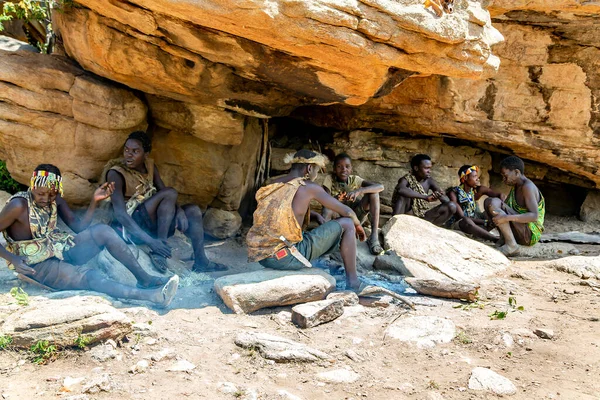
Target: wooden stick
x=371, y=290
x=444, y=288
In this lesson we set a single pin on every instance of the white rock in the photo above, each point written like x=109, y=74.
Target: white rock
x=284, y=394
x=164, y=354
x=98, y=384
x=141, y=366
x=486, y=379
x=181, y=366
x=227, y=387
x=70, y=384
x=338, y=376
x=424, y=331
x=544, y=333
x=453, y=255
x=251, y=291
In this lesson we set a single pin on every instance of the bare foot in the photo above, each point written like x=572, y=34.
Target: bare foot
x=163, y=296
x=509, y=250
x=353, y=285
x=153, y=282
x=209, y=267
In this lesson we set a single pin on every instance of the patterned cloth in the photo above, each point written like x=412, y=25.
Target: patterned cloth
x=536, y=227
x=138, y=187
x=274, y=217
x=47, y=241
x=419, y=206
x=336, y=187
x=467, y=202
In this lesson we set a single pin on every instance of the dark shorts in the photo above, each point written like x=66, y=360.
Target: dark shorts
x=142, y=218
x=61, y=275
x=320, y=241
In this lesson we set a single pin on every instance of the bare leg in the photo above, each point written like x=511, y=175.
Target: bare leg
x=195, y=232
x=442, y=213
x=468, y=226
x=370, y=202
x=493, y=207
x=348, y=252
x=92, y=240
x=161, y=208
x=162, y=295
x=402, y=205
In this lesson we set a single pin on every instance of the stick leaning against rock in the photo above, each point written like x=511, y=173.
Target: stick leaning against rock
x=371, y=290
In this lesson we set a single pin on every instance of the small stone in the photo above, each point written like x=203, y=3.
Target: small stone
x=338, y=376
x=486, y=379
x=544, y=333
x=351, y=354
x=227, y=387
x=141, y=366
x=508, y=340
x=104, y=352
x=284, y=394
x=249, y=394
x=164, y=354
x=315, y=313
x=347, y=296
x=150, y=341
x=98, y=384
x=181, y=366
x=70, y=384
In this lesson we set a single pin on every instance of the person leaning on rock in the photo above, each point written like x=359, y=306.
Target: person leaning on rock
x=519, y=218
x=360, y=195
x=39, y=251
x=147, y=209
x=284, y=211
x=411, y=195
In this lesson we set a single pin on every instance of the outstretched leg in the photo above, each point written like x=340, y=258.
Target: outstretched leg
x=348, y=252
x=468, y=226
x=161, y=296
x=442, y=213
x=195, y=232
x=97, y=237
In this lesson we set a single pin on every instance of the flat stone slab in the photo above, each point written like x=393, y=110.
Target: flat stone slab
x=486, y=379
x=63, y=321
x=315, y=313
x=441, y=251
x=423, y=331
x=279, y=349
x=251, y=291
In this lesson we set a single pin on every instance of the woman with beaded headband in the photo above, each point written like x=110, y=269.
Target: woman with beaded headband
x=40, y=253
x=469, y=218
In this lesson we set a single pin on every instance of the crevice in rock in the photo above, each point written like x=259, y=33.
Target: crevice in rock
x=486, y=103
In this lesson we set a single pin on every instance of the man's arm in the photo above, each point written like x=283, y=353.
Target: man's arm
x=484, y=190
x=315, y=216
x=331, y=203
x=403, y=190
x=76, y=224
x=8, y=216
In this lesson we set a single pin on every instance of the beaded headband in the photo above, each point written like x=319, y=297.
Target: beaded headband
x=46, y=179
x=468, y=171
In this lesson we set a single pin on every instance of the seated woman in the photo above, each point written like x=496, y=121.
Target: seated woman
x=469, y=218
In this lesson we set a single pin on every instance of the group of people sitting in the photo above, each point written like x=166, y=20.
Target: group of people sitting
x=146, y=212
x=279, y=239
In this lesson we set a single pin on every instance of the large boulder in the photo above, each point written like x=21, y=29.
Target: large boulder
x=221, y=223
x=66, y=322
x=52, y=111
x=448, y=253
x=251, y=291
x=590, y=209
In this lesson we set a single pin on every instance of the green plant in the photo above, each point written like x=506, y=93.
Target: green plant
x=238, y=393
x=7, y=183
x=5, y=341
x=43, y=352
x=512, y=307
x=463, y=338
x=20, y=295
x=82, y=341
x=432, y=385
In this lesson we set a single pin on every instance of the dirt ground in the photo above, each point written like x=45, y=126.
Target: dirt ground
x=200, y=329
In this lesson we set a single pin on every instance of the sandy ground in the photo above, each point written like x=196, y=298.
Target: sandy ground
x=200, y=329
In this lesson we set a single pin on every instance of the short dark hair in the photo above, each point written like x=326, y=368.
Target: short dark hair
x=303, y=153
x=340, y=157
x=143, y=138
x=49, y=168
x=418, y=159
x=513, y=162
